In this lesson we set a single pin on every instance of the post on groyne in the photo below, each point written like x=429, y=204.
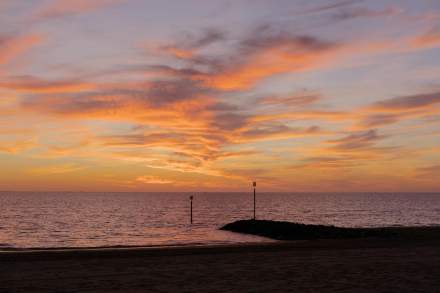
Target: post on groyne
x=255, y=185
x=191, y=209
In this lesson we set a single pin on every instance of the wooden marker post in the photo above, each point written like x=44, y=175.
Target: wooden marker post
x=255, y=185
x=191, y=210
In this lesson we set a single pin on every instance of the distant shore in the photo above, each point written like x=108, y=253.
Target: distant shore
x=352, y=265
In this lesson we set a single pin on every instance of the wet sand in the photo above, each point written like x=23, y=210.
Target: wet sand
x=355, y=265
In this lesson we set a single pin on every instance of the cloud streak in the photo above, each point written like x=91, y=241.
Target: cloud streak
x=394, y=110
x=328, y=7
x=13, y=46
x=64, y=8
x=31, y=84
x=430, y=39
x=407, y=102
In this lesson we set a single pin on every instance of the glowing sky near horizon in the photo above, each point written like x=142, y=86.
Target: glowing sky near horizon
x=121, y=95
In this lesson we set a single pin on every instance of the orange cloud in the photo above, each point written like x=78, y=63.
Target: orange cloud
x=431, y=39
x=30, y=84
x=335, y=116
x=189, y=45
x=265, y=52
x=153, y=180
x=297, y=100
x=179, y=53
x=432, y=170
x=62, y=8
x=274, y=131
x=56, y=169
x=264, y=57
x=12, y=47
x=270, y=51
x=14, y=147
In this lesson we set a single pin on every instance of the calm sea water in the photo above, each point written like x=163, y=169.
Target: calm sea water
x=109, y=219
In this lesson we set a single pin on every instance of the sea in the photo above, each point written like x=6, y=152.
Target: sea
x=81, y=219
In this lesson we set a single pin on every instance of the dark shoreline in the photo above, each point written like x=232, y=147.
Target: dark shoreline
x=328, y=265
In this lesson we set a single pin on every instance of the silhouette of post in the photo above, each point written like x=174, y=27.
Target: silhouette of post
x=191, y=210
x=255, y=185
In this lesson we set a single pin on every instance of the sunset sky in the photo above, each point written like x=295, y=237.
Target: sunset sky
x=173, y=95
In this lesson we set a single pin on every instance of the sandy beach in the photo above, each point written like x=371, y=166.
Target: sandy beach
x=356, y=265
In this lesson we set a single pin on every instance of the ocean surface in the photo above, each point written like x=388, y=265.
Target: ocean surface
x=64, y=219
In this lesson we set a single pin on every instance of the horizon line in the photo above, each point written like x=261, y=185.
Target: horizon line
x=198, y=192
